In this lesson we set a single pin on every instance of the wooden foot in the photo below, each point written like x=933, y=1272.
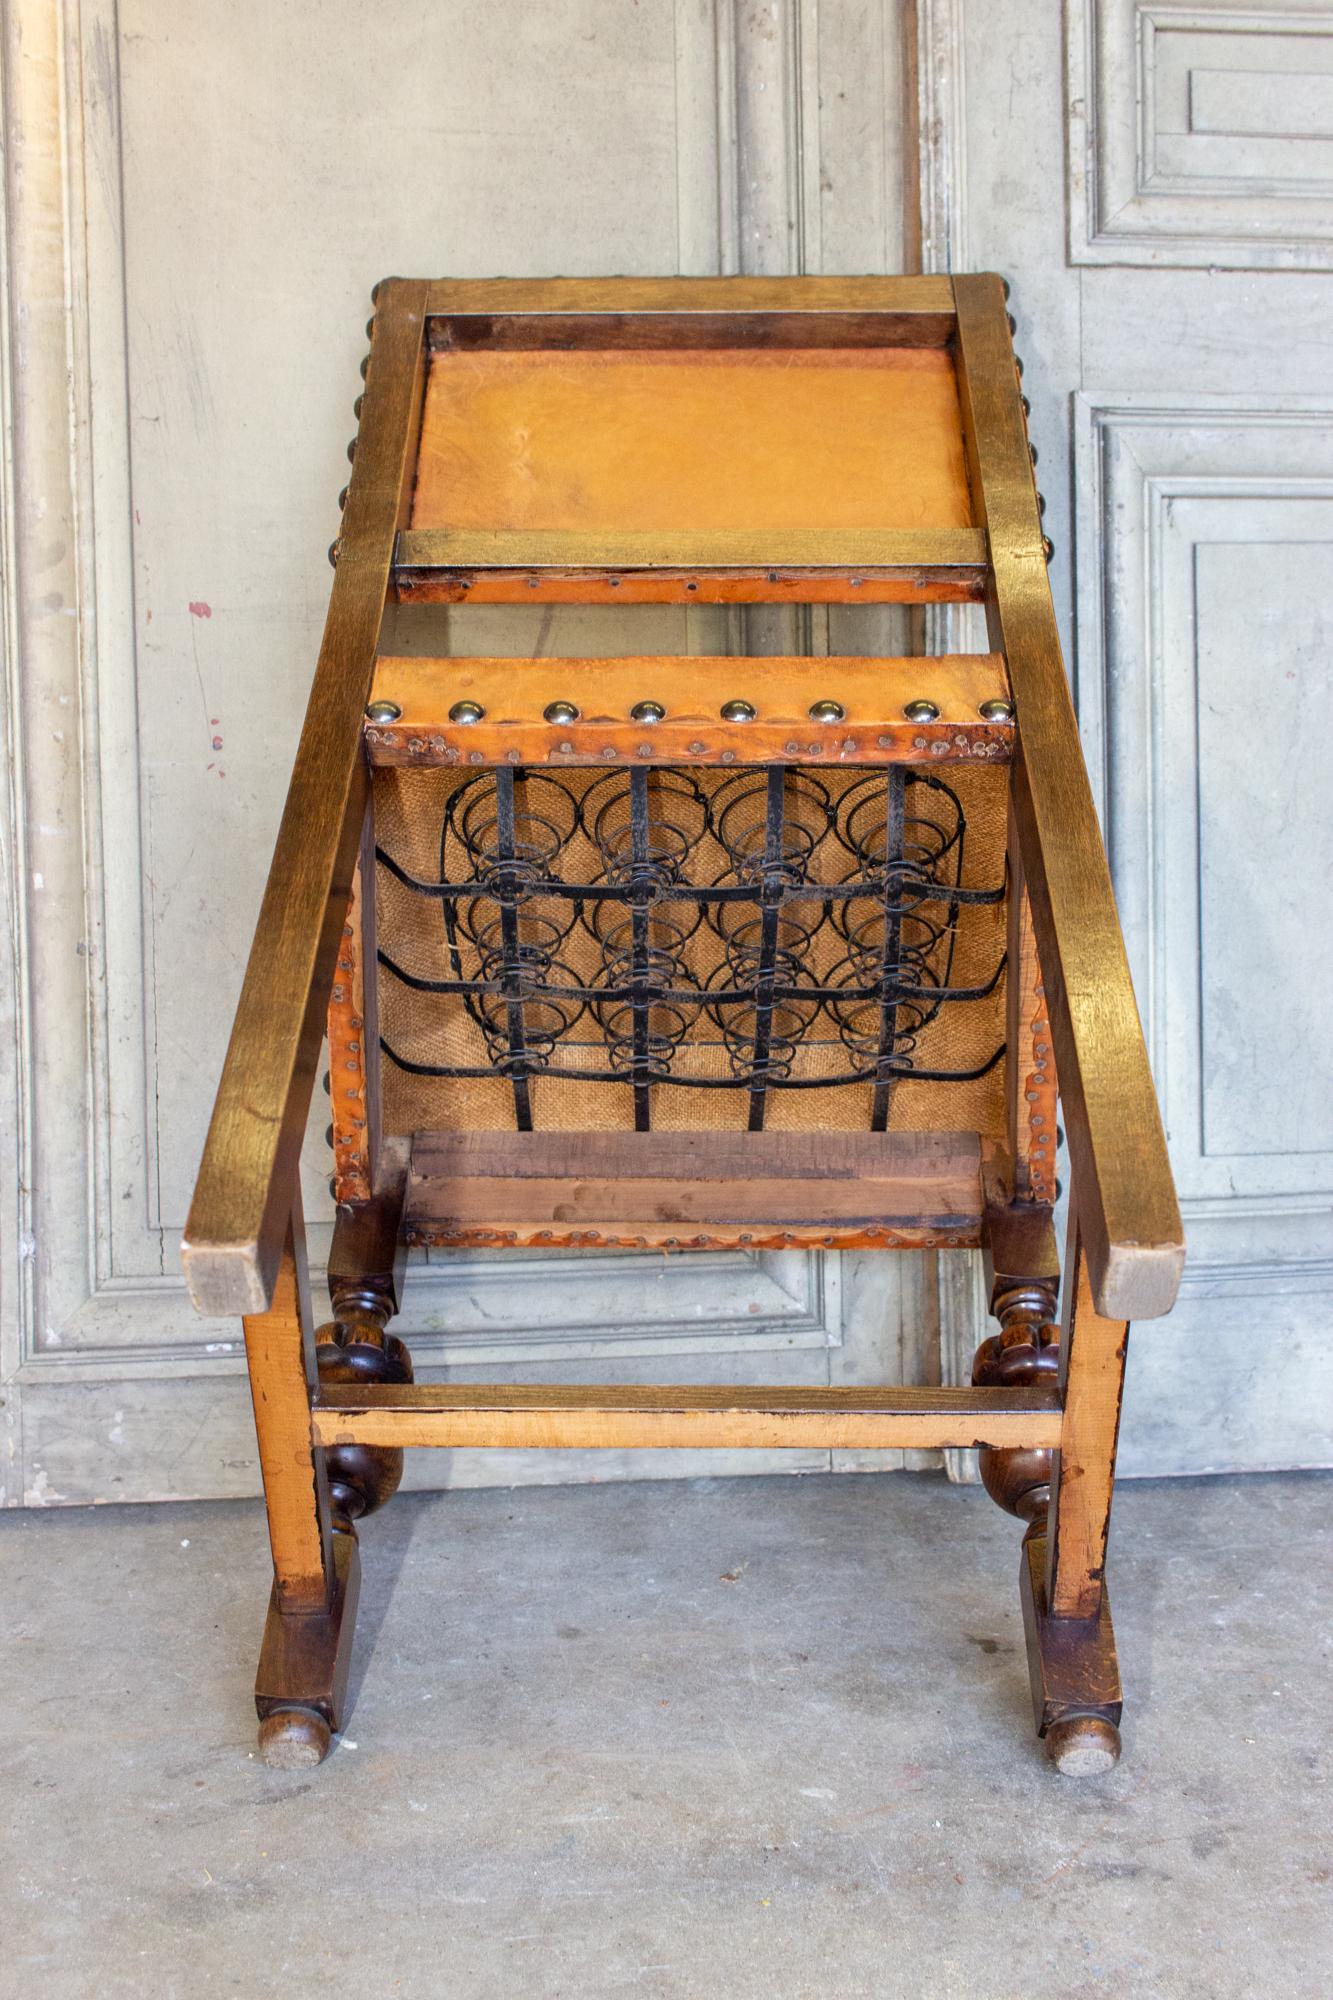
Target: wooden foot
x=1083, y=1746
x=291, y=1739
x=303, y=1664
x=1075, y=1675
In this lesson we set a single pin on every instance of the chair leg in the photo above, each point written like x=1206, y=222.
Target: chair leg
x=312, y=1609
x=1074, y=1672
x=301, y=1685
x=307, y=1648
x=1071, y=1655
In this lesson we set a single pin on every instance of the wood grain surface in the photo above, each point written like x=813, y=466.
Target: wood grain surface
x=694, y=1190
x=619, y=1418
x=353, y=1036
x=280, y=1353
x=482, y=566
x=890, y=306
x=1092, y=1381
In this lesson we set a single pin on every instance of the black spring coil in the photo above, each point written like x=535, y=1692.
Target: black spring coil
x=825, y=920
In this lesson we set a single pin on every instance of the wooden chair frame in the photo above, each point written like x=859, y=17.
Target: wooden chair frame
x=1044, y=1407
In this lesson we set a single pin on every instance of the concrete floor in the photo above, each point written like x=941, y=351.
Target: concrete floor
x=718, y=1738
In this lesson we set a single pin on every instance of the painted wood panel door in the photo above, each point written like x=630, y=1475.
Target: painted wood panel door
x=1158, y=185
x=198, y=200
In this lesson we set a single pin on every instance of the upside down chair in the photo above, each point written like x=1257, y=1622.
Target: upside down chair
x=670, y=954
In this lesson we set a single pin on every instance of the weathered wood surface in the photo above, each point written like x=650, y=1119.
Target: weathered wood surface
x=683, y=1190
x=878, y=308
x=1092, y=1379
x=1031, y=1083
x=353, y=1036
x=631, y=565
x=958, y=577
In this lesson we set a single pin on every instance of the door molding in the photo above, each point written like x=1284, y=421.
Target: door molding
x=112, y=1388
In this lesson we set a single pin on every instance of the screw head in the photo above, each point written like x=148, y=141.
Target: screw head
x=921, y=711
x=737, y=711
x=647, y=711
x=382, y=711
x=827, y=711
x=560, y=711
x=996, y=711
x=466, y=711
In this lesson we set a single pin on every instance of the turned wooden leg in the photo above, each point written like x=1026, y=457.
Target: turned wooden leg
x=366, y=1265
x=355, y=1348
x=1023, y=1266
x=1071, y=1653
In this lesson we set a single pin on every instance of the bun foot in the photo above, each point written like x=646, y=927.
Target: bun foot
x=292, y=1739
x=1083, y=1746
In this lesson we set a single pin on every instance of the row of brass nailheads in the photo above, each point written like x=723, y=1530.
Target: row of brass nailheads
x=464, y=713
x=1047, y=545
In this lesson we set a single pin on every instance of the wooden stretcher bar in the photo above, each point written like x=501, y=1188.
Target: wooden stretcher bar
x=634, y=1419
x=834, y=711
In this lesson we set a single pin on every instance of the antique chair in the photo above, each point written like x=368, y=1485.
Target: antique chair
x=689, y=952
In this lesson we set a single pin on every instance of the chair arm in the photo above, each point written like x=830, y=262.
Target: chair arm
x=1128, y=1217
x=242, y=1200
